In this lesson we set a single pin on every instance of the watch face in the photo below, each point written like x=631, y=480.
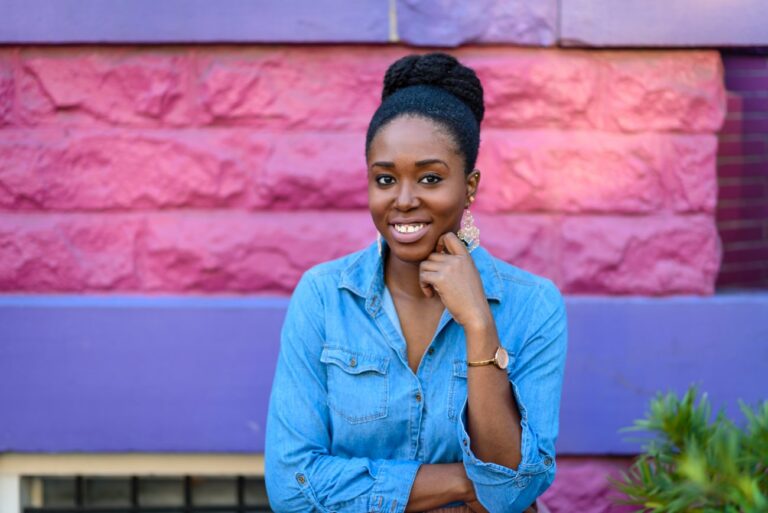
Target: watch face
x=502, y=358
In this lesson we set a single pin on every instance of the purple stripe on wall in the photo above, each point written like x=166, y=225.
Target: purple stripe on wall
x=166, y=374
x=660, y=23
x=113, y=374
x=193, y=21
x=622, y=351
x=441, y=23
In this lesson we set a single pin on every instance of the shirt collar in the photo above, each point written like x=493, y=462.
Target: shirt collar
x=364, y=276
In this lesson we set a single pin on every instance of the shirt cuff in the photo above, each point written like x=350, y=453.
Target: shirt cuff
x=532, y=460
x=394, y=480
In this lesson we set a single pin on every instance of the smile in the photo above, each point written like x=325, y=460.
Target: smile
x=409, y=228
x=406, y=233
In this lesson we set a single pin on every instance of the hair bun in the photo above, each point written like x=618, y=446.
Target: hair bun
x=440, y=70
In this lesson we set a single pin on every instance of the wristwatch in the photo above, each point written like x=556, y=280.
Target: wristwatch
x=500, y=360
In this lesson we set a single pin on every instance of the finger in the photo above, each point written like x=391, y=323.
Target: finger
x=437, y=257
x=427, y=282
x=453, y=244
x=440, y=246
x=429, y=265
x=426, y=289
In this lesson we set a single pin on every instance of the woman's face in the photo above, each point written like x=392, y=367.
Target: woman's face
x=417, y=188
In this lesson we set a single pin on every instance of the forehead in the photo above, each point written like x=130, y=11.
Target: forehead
x=412, y=136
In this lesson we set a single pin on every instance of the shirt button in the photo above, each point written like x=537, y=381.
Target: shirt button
x=418, y=397
x=547, y=461
x=464, y=442
x=300, y=479
x=353, y=362
x=431, y=350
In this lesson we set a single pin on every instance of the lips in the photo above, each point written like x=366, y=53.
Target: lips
x=408, y=232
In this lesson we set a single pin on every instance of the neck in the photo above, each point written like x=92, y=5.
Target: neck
x=401, y=277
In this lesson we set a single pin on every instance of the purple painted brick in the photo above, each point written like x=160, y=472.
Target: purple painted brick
x=456, y=22
x=67, y=21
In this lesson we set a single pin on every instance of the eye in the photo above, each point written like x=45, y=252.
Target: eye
x=431, y=179
x=385, y=180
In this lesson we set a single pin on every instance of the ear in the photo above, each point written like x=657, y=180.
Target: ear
x=473, y=180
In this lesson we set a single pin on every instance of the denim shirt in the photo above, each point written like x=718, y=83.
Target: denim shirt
x=350, y=423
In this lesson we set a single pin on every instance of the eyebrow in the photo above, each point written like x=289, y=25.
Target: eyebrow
x=420, y=163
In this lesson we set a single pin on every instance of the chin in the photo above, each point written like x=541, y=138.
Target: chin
x=413, y=253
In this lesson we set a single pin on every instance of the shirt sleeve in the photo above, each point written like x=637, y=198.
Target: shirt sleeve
x=301, y=475
x=536, y=377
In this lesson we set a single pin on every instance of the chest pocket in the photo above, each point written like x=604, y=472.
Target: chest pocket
x=457, y=390
x=358, y=388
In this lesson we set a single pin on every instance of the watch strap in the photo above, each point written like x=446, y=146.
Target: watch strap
x=480, y=363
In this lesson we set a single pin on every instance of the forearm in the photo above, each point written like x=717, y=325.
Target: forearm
x=439, y=484
x=493, y=419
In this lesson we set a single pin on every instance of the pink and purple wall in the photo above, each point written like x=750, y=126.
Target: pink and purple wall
x=159, y=202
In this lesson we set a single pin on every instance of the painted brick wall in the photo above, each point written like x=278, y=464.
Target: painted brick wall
x=742, y=212
x=222, y=169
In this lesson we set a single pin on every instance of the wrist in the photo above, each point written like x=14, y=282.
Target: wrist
x=480, y=325
x=464, y=490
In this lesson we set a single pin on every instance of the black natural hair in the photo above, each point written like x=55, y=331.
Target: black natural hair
x=438, y=87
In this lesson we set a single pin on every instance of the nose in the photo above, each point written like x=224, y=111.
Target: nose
x=406, y=199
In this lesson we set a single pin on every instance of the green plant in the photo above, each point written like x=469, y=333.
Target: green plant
x=694, y=464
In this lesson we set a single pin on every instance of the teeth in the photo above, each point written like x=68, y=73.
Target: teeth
x=409, y=228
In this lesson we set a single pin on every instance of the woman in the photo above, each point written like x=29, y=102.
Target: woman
x=421, y=372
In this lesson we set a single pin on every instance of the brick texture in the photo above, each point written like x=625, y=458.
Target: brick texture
x=233, y=169
x=742, y=168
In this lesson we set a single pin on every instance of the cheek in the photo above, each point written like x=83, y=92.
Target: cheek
x=377, y=204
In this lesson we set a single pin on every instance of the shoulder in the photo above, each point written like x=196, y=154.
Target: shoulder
x=524, y=286
x=327, y=276
x=336, y=266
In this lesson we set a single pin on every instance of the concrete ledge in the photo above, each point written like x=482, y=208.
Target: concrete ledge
x=192, y=374
x=658, y=23
x=193, y=21
x=601, y=23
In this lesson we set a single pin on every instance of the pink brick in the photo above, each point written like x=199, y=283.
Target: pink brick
x=530, y=242
x=245, y=252
x=318, y=88
x=7, y=88
x=582, y=485
x=652, y=255
x=65, y=170
x=657, y=90
x=314, y=170
x=587, y=172
x=689, y=172
x=108, y=86
x=533, y=88
x=67, y=253
x=573, y=172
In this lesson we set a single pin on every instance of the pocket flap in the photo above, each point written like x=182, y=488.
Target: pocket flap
x=354, y=363
x=460, y=368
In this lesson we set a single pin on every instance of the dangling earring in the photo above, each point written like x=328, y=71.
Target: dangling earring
x=469, y=233
x=378, y=241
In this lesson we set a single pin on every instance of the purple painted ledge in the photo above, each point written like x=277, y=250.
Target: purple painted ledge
x=180, y=374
